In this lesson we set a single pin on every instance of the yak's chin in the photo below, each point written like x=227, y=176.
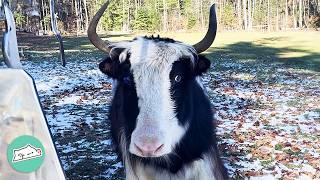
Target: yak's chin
x=167, y=161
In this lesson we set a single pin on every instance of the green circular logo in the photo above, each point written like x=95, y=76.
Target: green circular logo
x=25, y=154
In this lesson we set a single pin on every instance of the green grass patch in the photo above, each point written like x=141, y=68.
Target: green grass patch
x=295, y=49
x=307, y=136
x=267, y=163
x=292, y=153
x=295, y=102
x=278, y=147
x=317, y=111
x=293, y=166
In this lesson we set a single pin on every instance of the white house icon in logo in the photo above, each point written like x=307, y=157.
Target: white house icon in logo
x=26, y=153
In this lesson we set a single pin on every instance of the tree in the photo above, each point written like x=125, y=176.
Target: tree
x=20, y=19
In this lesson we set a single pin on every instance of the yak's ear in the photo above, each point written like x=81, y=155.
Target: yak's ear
x=110, y=66
x=202, y=65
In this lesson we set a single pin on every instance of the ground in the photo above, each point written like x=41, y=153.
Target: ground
x=264, y=89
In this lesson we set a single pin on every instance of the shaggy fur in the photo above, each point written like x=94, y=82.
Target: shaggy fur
x=158, y=95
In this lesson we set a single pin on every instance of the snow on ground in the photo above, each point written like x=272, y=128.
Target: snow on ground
x=268, y=118
x=76, y=100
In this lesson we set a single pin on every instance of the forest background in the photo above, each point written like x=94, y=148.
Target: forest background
x=168, y=15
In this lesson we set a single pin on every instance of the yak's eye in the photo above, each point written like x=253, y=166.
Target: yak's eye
x=177, y=78
x=127, y=80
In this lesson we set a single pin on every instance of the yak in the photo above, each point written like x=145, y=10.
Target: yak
x=161, y=118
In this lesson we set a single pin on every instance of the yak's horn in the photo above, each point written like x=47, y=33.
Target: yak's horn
x=92, y=30
x=207, y=41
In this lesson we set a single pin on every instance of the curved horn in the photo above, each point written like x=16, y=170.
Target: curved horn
x=92, y=30
x=206, y=42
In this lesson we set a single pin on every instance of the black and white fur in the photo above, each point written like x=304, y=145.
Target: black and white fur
x=158, y=102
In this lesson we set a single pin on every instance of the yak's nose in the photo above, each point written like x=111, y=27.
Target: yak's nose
x=146, y=146
x=149, y=149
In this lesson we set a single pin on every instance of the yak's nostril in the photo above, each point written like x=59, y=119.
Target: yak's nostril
x=137, y=147
x=159, y=148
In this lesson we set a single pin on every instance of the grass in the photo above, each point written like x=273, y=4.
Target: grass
x=267, y=163
x=278, y=147
x=296, y=49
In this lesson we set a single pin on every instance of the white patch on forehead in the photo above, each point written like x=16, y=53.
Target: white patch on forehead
x=161, y=52
x=151, y=63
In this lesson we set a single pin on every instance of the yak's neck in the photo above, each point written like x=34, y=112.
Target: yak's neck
x=200, y=169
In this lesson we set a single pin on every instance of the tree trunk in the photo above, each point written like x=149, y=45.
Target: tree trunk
x=179, y=9
x=81, y=16
x=136, y=8
x=77, y=16
x=201, y=14
x=253, y=12
x=239, y=14
x=286, y=16
x=249, y=15
x=300, y=14
x=308, y=5
x=245, y=16
x=294, y=14
x=165, y=16
x=277, y=18
x=123, y=15
x=86, y=14
x=43, y=15
x=269, y=18
x=220, y=12
x=128, y=18
x=179, y=15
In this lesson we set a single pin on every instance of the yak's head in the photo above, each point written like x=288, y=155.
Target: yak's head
x=154, y=74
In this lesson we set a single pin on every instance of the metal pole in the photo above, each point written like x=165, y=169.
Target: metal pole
x=57, y=33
